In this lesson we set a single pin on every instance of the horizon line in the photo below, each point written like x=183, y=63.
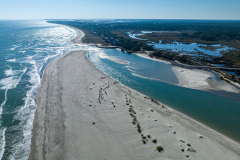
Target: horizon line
x=124, y=19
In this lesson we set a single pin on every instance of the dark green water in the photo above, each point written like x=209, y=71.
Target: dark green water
x=218, y=110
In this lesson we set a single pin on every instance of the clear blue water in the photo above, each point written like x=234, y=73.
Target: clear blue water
x=219, y=110
x=26, y=47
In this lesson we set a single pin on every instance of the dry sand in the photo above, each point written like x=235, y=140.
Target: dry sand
x=84, y=114
x=197, y=79
x=147, y=57
x=202, y=80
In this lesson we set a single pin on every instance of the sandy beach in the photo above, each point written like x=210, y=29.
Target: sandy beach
x=202, y=80
x=84, y=114
x=153, y=59
x=197, y=79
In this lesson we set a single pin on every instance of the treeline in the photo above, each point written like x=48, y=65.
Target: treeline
x=203, y=29
x=215, y=35
x=160, y=25
x=131, y=45
x=125, y=43
x=175, y=26
x=104, y=32
x=208, y=30
x=170, y=56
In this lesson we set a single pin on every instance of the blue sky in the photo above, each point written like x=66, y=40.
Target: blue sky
x=122, y=9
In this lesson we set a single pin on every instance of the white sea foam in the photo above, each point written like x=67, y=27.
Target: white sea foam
x=29, y=57
x=103, y=55
x=26, y=115
x=14, y=47
x=59, y=37
x=24, y=71
x=59, y=52
x=2, y=142
x=4, y=102
x=35, y=77
x=8, y=83
x=11, y=82
x=22, y=52
x=73, y=31
x=8, y=72
x=12, y=60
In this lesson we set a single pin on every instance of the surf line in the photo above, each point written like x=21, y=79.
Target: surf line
x=2, y=142
x=24, y=71
x=5, y=100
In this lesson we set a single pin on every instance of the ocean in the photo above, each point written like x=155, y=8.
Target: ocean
x=26, y=47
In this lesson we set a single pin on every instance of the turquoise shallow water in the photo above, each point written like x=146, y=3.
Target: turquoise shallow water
x=218, y=110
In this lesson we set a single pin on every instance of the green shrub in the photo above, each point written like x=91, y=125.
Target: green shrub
x=139, y=128
x=144, y=141
x=154, y=140
x=159, y=148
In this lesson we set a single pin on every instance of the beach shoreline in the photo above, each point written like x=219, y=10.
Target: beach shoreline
x=197, y=79
x=84, y=114
x=201, y=80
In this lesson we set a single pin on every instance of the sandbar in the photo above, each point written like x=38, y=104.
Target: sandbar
x=202, y=80
x=120, y=61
